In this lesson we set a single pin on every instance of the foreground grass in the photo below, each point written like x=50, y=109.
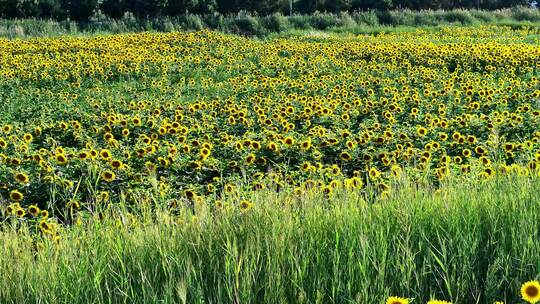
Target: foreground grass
x=464, y=243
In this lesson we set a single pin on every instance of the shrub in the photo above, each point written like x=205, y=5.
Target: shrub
x=275, y=23
x=322, y=21
x=191, y=22
x=461, y=16
x=367, y=17
x=300, y=22
x=524, y=14
x=249, y=25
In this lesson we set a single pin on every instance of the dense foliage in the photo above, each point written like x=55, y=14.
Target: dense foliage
x=84, y=9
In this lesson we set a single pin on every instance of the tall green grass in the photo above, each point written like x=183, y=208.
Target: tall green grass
x=468, y=243
x=246, y=24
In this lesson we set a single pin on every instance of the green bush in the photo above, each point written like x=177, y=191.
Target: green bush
x=300, y=22
x=191, y=22
x=522, y=14
x=214, y=21
x=249, y=25
x=459, y=16
x=483, y=16
x=322, y=21
x=367, y=17
x=275, y=23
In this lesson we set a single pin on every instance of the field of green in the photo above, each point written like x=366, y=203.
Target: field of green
x=396, y=166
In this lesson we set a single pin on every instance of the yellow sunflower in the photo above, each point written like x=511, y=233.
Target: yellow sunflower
x=530, y=291
x=397, y=300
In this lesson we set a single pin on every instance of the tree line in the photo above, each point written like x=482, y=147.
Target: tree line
x=83, y=10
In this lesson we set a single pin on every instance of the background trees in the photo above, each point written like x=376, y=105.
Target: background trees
x=82, y=10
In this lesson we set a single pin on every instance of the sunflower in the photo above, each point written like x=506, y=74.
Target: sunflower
x=250, y=159
x=395, y=170
x=105, y=154
x=421, y=131
x=480, y=150
x=530, y=291
x=272, y=146
x=10, y=209
x=229, y=188
x=288, y=141
x=305, y=145
x=190, y=194
x=374, y=173
x=21, y=177
x=20, y=213
x=137, y=121
x=345, y=156
x=163, y=162
x=116, y=164
x=61, y=159
x=256, y=145
x=204, y=153
x=103, y=195
x=438, y=302
x=16, y=196
x=44, y=226
x=28, y=137
x=82, y=155
x=327, y=190
x=33, y=210
x=73, y=205
x=245, y=206
x=305, y=166
x=108, y=176
x=7, y=128
x=397, y=300
x=356, y=182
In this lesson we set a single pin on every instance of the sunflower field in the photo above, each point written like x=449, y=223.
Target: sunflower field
x=87, y=120
x=195, y=121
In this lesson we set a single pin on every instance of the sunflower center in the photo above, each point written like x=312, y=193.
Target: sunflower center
x=532, y=291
